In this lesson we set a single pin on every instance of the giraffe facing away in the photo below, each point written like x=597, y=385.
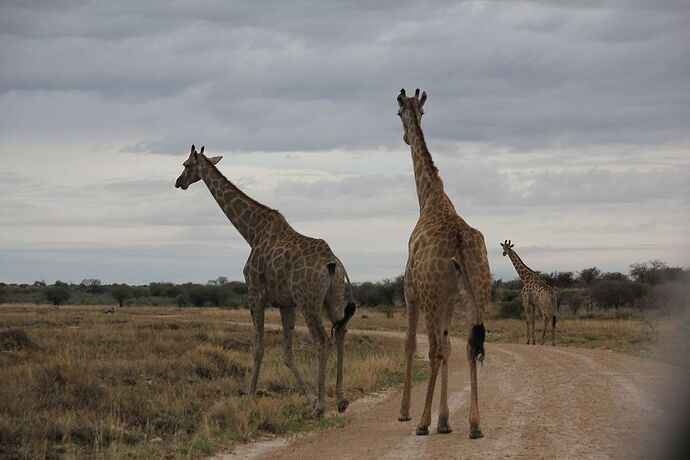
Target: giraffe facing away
x=536, y=294
x=285, y=269
x=447, y=269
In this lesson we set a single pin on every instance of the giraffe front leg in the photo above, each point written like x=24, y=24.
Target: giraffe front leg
x=287, y=317
x=257, y=312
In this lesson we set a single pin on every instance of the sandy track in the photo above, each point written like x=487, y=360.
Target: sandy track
x=535, y=402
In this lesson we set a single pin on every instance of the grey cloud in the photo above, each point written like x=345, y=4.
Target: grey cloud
x=278, y=77
x=576, y=115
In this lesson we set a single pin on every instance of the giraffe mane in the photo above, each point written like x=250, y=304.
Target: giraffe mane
x=239, y=191
x=427, y=155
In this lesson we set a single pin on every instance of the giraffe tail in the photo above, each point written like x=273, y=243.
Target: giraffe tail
x=475, y=341
x=350, y=306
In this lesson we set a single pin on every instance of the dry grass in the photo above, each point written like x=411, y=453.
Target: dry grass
x=665, y=338
x=157, y=382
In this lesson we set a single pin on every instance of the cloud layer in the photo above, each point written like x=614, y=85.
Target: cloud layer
x=561, y=126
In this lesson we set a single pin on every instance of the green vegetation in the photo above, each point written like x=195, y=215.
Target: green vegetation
x=650, y=286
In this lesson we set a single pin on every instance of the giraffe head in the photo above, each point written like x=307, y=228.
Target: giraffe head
x=507, y=247
x=191, y=171
x=410, y=106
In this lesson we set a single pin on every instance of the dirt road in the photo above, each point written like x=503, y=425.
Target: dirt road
x=535, y=402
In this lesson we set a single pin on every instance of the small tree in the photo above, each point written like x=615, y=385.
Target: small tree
x=562, y=279
x=92, y=285
x=588, y=276
x=57, y=294
x=218, y=295
x=121, y=292
x=197, y=295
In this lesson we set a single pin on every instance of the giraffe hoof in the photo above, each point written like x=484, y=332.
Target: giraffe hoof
x=476, y=434
x=445, y=429
x=317, y=414
x=422, y=431
x=342, y=405
x=404, y=418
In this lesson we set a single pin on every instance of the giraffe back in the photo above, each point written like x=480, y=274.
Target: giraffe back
x=447, y=256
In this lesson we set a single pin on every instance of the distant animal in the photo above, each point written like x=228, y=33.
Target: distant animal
x=536, y=294
x=447, y=269
x=109, y=311
x=285, y=269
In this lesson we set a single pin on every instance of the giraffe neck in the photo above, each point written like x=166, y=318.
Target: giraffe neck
x=427, y=180
x=251, y=218
x=524, y=272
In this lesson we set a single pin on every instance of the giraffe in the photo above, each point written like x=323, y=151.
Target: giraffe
x=447, y=268
x=535, y=294
x=285, y=269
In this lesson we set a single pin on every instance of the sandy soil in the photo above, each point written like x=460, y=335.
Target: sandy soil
x=535, y=402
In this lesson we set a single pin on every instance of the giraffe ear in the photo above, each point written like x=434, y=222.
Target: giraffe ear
x=401, y=98
x=215, y=160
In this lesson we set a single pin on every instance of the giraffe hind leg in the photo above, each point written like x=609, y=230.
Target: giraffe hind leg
x=434, y=362
x=331, y=305
x=313, y=319
x=546, y=325
x=412, y=302
x=443, y=427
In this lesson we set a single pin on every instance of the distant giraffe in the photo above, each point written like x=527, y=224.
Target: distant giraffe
x=285, y=269
x=535, y=294
x=447, y=268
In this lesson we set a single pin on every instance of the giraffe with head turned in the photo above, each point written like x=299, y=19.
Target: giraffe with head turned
x=285, y=269
x=447, y=269
x=536, y=294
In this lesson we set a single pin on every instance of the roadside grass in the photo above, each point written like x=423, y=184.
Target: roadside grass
x=160, y=382
x=664, y=338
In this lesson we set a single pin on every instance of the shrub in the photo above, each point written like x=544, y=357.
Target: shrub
x=15, y=339
x=57, y=294
x=510, y=306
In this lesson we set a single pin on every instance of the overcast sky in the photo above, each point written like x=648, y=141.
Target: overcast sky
x=563, y=126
